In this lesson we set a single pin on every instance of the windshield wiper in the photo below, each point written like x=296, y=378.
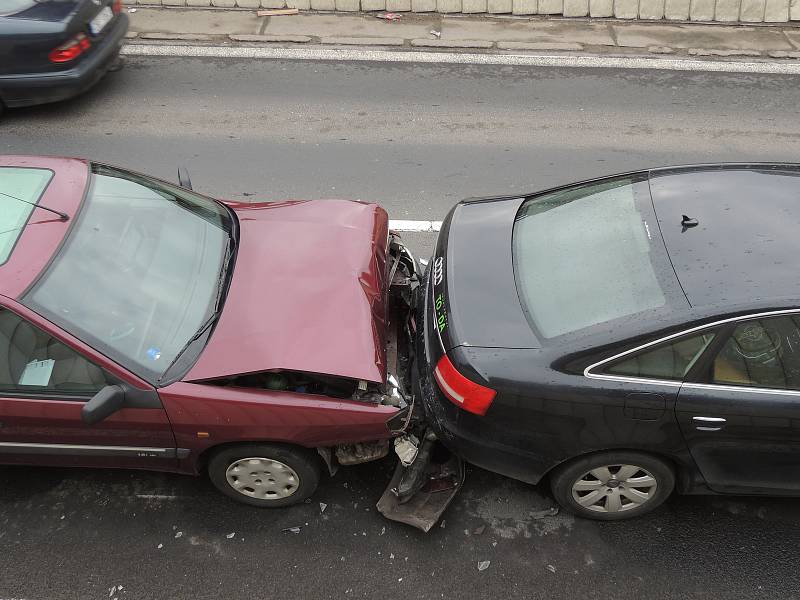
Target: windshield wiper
x=224, y=272
x=200, y=332
x=217, y=302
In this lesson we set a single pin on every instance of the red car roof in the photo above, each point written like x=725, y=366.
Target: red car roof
x=44, y=231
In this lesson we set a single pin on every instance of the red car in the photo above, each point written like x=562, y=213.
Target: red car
x=145, y=326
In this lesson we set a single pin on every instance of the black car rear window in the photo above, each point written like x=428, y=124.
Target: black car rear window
x=586, y=255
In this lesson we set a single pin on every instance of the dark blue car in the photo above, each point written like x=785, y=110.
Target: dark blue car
x=51, y=50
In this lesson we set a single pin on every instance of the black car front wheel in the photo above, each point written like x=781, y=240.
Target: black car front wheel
x=265, y=475
x=611, y=486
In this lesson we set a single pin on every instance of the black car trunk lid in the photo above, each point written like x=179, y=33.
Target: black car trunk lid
x=474, y=294
x=30, y=32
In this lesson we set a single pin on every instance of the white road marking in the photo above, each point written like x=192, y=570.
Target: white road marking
x=156, y=496
x=530, y=60
x=416, y=226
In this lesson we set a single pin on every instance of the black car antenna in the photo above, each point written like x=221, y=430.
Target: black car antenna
x=63, y=216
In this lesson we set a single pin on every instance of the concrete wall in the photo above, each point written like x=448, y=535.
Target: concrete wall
x=726, y=11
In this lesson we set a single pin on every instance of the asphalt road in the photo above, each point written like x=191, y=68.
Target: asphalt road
x=415, y=139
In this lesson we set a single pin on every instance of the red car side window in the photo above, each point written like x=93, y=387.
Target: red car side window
x=33, y=361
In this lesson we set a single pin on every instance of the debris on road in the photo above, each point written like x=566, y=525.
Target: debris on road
x=278, y=12
x=479, y=530
x=442, y=524
x=483, y=565
x=295, y=529
x=389, y=16
x=541, y=514
x=230, y=535
x=322, y=507
x=436, y=34
x=178, y=534
x=406, y=447
x=551, y=568
x=131, y=10
x=160, y=546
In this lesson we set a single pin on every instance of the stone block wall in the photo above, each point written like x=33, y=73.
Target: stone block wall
x=724, y=11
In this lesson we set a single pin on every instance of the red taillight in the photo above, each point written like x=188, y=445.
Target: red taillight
x=70, y=50
x=461, y=391
x=117, y=7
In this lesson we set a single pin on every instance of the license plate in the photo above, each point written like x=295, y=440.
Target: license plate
x=102, y=18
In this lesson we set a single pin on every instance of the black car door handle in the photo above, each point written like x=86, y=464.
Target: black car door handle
x=708, y=423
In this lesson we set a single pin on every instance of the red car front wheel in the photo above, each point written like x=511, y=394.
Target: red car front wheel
x=265, y=475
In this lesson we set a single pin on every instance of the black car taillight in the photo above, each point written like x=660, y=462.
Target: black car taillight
x=461, y=391
x=70, y=50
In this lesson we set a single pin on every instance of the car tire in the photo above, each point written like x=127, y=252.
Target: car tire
x=265, y=475
x=612, y=486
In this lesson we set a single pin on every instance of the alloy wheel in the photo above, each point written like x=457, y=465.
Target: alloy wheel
x=265, y=478
x=614, y=488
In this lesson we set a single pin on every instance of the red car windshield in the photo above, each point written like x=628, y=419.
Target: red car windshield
x=141, y=271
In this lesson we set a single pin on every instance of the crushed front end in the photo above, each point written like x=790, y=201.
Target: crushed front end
x=427, y=476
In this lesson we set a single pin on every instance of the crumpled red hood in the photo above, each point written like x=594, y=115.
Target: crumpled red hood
x=308, y=293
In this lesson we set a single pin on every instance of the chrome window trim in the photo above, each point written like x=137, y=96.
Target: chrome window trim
x=587, y=371
x=741, y=388
x=623, y=378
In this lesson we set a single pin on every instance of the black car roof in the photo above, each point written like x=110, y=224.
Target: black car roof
x=745, y=243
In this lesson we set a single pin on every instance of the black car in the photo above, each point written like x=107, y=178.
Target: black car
x=623, y=337
x=51, y=50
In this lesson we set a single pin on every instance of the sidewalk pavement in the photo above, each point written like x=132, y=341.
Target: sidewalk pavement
x=438, y=31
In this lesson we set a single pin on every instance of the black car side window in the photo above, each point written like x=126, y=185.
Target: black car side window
x=670, y=360
x=761, y=353
x=34, y=361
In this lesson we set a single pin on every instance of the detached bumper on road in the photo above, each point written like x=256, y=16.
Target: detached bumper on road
x=40, y=88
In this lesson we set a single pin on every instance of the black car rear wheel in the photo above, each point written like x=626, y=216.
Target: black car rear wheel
x=265, y=475
x=611, y=486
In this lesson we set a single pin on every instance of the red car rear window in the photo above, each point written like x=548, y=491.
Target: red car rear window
x=20, y=190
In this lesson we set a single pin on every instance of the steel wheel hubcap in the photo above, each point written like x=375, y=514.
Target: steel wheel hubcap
x=614, y=488
x=262, y=478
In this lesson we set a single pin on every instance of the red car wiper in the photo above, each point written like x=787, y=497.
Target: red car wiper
x=217, y=307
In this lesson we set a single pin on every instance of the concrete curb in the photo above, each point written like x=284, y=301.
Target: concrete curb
x=432, y=56
x=264, y=38
x=477, y=44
